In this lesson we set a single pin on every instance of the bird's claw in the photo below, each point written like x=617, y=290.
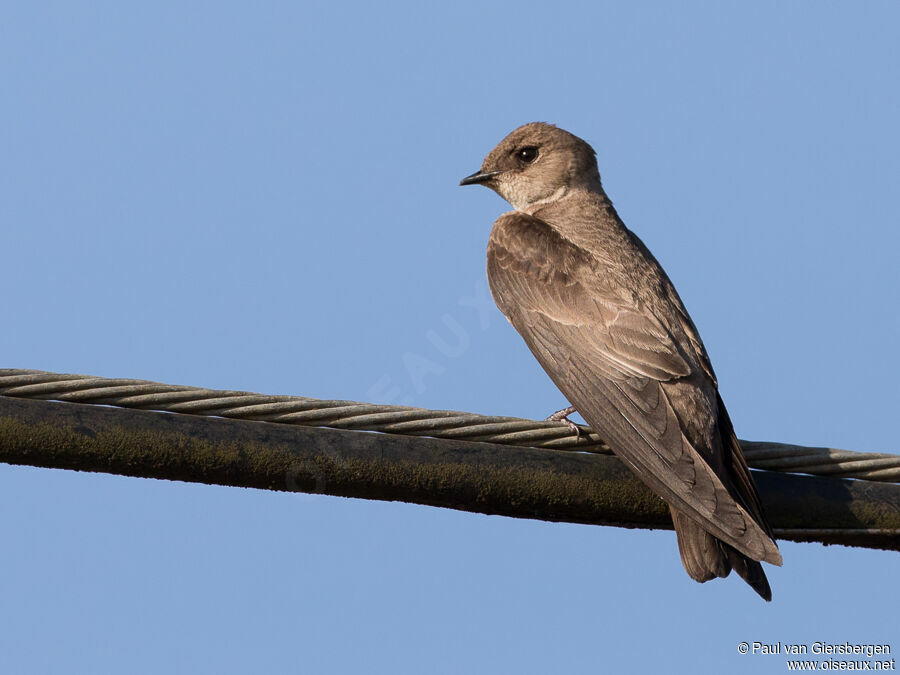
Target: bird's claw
x=563, y=416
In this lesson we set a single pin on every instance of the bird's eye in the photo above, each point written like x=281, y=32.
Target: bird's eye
x=527, y=154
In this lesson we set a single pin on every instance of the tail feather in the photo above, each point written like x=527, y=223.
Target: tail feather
x=750, y=571
x=704, y=557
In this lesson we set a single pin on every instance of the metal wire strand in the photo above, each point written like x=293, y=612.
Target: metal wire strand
x=145, y=395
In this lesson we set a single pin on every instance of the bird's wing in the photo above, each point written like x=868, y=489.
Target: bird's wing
x=615, y=361
x=739, y=471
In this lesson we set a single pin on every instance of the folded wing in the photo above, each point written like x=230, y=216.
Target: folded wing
x=619, y=363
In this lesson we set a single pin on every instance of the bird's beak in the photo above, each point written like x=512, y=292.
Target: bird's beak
x=478, y=177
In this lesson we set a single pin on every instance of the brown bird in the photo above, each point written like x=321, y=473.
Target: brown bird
x=605, y=322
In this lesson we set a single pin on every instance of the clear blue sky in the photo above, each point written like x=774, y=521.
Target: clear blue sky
x=263, y=196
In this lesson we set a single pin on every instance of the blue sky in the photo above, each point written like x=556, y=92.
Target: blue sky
x=264, y=197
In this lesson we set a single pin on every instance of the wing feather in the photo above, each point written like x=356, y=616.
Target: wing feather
x=622, y=366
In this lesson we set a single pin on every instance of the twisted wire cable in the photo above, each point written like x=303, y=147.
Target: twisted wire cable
x=352, y=415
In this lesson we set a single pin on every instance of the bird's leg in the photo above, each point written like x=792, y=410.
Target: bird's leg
x=563, y=416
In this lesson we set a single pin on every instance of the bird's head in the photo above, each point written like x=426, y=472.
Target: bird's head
x=537, y=163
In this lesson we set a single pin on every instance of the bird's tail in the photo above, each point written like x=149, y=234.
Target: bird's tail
x=704, y=557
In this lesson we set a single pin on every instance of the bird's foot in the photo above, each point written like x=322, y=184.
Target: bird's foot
x=563, y=416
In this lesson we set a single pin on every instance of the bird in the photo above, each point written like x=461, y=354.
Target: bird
x=605, y=322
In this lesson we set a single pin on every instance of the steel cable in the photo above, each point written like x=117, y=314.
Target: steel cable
x=352, y=415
